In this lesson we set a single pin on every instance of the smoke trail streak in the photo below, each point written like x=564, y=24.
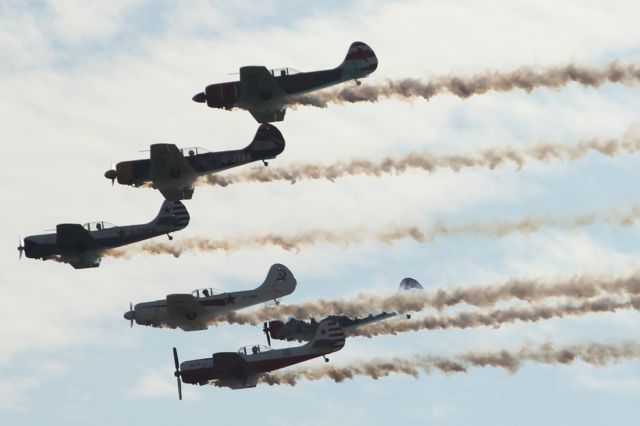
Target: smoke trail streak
x=524, y=78
x=597, y=354
x=392, y=233
x=363, y=304
x=496, y=317
x=490, y=158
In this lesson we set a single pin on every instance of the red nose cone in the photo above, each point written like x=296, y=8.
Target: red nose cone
x=200, y=98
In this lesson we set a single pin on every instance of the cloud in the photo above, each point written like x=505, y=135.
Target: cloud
x=153, y=384
x=16, y=389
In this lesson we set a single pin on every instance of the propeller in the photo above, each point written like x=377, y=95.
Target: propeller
x=177, y=373
x=266, y=331
x=112, y=174
x=20, y=248
x=131, y=315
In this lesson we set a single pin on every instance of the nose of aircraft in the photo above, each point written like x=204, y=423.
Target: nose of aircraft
x=200, y=98
x=111, y=174
x=131, y=315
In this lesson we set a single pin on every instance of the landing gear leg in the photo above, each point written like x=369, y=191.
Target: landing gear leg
x=265, y=163
x=325, y=358
x=170, y=237
x=358, y=82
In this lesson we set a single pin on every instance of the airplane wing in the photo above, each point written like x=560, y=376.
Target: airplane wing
x=186, y=312
x=73, y=237
x=349, y=324
x=176, y=194
x=259, y=87
x=257, y=84
x=233, y=371
x=270, y=116
x=167, y=162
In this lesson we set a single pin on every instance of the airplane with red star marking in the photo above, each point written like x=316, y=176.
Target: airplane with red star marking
x=82, y=246
x=265, y=93
x=242, y=369
x=195, y=311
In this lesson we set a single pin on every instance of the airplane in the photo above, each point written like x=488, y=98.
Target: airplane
x=82, y=246
x=194, y=311
x=265, y=93
x=242, y=369
x=302, y=331
x=173, y=173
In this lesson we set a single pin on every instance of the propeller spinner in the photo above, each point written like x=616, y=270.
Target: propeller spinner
x=112, y=174
x=177, y=373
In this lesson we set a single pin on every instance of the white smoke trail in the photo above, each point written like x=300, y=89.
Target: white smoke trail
x=496, y=317
x=490, y=158
x=577, y=288
x=591, y=353
x=390, y=234
x=524, y=78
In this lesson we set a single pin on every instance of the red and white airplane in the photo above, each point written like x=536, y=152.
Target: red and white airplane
x=196, y=310
x=242, y=369
x=265, y=93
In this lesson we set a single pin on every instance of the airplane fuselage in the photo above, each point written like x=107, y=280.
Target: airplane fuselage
x=205, y=370
x=83, y=245
x=224, y=368
x=155, y=313
x=45, y=246
x=302, y=331
x=230, y=95
x=138, y=172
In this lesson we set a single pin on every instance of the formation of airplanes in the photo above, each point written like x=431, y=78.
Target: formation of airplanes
x=174, y=172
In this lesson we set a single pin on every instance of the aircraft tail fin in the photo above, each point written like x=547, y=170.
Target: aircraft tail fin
x=360, y=60
x=279, y=282
x=409, y=284
x=268, y=141
x=329, y=336
x=172, y=213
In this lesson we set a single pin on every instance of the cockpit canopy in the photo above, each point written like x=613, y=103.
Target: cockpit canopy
x=281, y=72
x=193, y=150
x=253, y=349
x=98, y=226
x=204, y=292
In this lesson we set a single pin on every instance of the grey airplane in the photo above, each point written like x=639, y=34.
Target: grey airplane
x=173, y=171
x=82, y=246
x=196, y=310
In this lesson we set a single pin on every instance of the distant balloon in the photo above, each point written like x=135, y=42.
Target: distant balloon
x=409, y=283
